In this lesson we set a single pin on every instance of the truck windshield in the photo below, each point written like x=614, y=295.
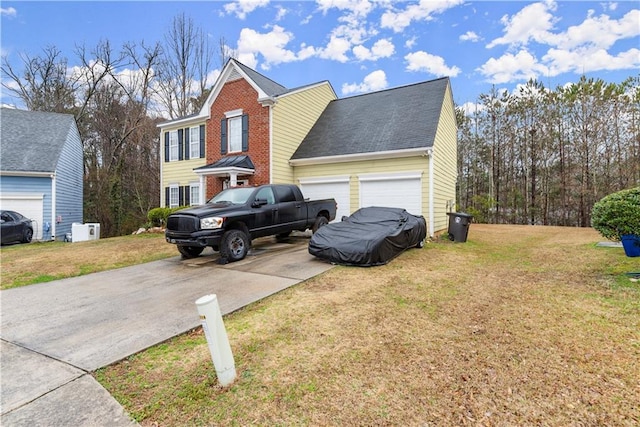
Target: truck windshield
x=236, y=196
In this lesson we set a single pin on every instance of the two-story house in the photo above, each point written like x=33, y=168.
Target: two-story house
x=395, y=147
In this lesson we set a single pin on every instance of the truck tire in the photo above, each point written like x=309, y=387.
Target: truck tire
x=320, y=222
x=190, y=251
x=235, y=245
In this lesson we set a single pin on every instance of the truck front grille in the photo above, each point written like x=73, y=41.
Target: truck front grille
x=182, y=223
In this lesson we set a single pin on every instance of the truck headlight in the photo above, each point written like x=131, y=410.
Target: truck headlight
x=211, y=223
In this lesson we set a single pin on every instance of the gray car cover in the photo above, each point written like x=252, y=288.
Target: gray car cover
x=370, y=236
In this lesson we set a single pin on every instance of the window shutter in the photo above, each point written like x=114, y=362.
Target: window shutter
x=180, y=196
x=202, y=141
x=180, y=144
x=167, y=197
x=187, y=144
x=187, y=195
x=245, y=132
x=166, y=146
x=223, y=136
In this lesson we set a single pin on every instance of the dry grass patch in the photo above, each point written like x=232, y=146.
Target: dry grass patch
x=518, y=326
x=45, y=261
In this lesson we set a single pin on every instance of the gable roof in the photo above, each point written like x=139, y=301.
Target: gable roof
x=268, y=86
x=402, y=118
x=32, y=141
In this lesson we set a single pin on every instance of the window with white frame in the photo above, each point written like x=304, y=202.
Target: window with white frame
x=194, y=193
x=235, y=134
x=194, y=142
x=173, y=146
x=174, y=196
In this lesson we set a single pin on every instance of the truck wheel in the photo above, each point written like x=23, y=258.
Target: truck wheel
x=320, y=222
x=235, y=245
x=190, y=251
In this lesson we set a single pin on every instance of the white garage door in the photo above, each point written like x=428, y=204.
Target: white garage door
x=328, y=188
x=29, y=205
x=392, y=190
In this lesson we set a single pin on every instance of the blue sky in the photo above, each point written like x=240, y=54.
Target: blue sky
x=364, y=45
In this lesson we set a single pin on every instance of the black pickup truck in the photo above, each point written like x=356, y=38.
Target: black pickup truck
x=231, y=219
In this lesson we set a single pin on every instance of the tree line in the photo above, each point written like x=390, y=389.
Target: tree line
x=540, y=156
x=118, y=96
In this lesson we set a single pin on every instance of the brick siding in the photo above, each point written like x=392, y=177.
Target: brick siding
x=239, y=94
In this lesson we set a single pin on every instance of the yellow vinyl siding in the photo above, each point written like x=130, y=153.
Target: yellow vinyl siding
x=445, y=159
x=357, y=168
x=180, y=172
x=293, y=117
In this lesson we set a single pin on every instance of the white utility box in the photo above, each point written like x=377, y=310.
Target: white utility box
x=84, y=232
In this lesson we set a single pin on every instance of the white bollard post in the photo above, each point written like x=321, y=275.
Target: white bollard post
x=216, y=334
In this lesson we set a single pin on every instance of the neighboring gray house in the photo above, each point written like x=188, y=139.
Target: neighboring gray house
x=41, y=170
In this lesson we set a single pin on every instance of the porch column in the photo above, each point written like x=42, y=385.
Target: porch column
x=233, y=179
x=203, y=191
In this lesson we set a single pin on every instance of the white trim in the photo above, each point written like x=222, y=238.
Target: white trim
x=184, y=121
x=392, y=154
x=432, y=222
x=224, y=171
x=233, y=113
x=389, y=176
x=271, y=143
x=53, y=206
x=305, y=88
x=22, y=196
x=26, y=174
x=324, y=179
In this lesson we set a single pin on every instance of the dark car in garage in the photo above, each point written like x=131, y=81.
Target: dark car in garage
x=15, y=228
x=370, y=236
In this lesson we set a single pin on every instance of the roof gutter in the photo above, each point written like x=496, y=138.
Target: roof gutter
x=358, y=157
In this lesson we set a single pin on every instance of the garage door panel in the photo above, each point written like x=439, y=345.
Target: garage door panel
x=329, y=190
x=397, y=193
x=27, y=205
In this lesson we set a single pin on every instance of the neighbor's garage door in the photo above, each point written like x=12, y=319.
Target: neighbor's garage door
x=328, y=188
x=29, y=205
x=392, y=190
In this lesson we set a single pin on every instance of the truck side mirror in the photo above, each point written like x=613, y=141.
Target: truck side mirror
x=258, y=202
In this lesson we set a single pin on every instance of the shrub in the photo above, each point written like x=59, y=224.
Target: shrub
x=617, y=214
x=158, y=216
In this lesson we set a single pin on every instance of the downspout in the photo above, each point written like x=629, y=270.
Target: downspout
x=53, y=206
x=271, y=144
x=432, y=222
x=202, y=189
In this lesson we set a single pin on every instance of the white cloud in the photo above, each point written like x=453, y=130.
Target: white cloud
x=423, y=11
x=9, y=11
x=469, y=36
x=336, y=49
x=357, y=7
x=409, y=44
x=600, y=32
x=432, y=64
x=509, y=68
x=377, y=80
x=533, y=22
x=271, y=45
x=282, y=12
x=242, y=7
x=383, y=48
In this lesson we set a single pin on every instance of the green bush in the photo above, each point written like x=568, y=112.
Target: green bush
x=617, y=214
x=158, y=216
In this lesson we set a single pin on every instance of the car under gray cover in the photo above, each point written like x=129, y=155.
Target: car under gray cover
x=370, y=236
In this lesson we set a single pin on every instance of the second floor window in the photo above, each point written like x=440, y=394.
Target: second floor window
x=173, y=146
x=194, y=142
x=234, y=133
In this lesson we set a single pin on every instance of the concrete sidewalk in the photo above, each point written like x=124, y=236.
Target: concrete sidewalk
x=54, y=335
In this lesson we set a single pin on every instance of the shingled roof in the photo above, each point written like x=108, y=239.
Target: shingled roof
x=269, y=87
x=394, y=119
x=32, y=141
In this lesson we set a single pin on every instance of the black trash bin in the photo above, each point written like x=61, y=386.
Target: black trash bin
x=459, y=226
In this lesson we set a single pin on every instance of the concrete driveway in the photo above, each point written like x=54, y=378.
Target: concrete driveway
x=54, y=335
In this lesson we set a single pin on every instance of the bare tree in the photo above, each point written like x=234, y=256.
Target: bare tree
x=182, y=74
